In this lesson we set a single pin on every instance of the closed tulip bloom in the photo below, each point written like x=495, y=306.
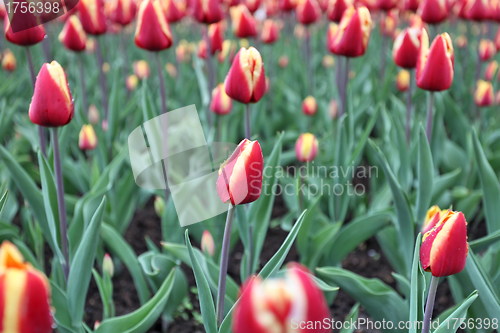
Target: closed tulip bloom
x=253, y=5
x=491, y=70
x=73, y=36
x=9, y=62
x=244, y=24
x=24, y=294
x=270, y=32
x=433, y=11
x=403, y=80
x=152, y=32
x=141, y=69
x=132, y=82
x=387, y=4
x=92, y=16
x=283, y=61
x=287, y=5
x=207, y=11
x=336, y=9
x=389, y=23
x=406, y=48
x=309, y=106
x=431, y=218
x=122, y=12
x=272, y=7
x=461, y=42
x=444, y=246
x=221, y=103
x=26, y=37
x=435, y=64
x=207, y=243
x=202, y=49
x=486, y=50
x=476, y=10
x=306, y=147
x=87, y=139
x=216, y=37
x=246, y=80
x=411, y=5
x=484, y=95
x=276, y=305
x=240, y=177
x=174, y=10
x=307, y=11
x=350, y=38
x=52, y=103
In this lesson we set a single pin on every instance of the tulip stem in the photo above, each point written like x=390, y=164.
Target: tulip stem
x=162, y=84
x=102, y=79
x=63, y=223
x=409, y=110
x=223, y=264
x=310, y=74
x=210, y=71
x=429, y=306
x=430, y=115
x=248, y=124
x=41, y=131
x=83, y=84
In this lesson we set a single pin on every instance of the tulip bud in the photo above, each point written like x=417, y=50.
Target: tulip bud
x=435, y=65
x=152, y=32
x=141, y=69
x=174, y=10
x=73, y=36
x=182, y=52
x=406, y=48
x=107, y=265
x=433, y=11
x=159, y=205
x=328, y=61
x=411, y=5
x=491, y=70
x=270, y=32
x=207, y=243
x=246, y=80
x=253, y=5
x=333, y=109
x=487, y=49
x=202, y=49
x=387, y=5
x=336, y=9
x=461, y=42
x=52, y=103
x=207, y=11
x=350, y=38
x=306, y=147
x=403, y=80
x=171, y=70
x=484, y=95
x=287, y=5
x=92, y=16
x=93, y=114
x=87, y=139
x=240, y=177
x=90, y=45
x=244, y=24
x=275, y=305
x=389, y=23
x=24, y=294
x=122, y=12
x=476, y=10
x=25, y=37
x=216, y=37
x=309, y=106
x=444, y=246
x=283, y=61
x=132, y=82
x=9, y=61
x=221, y=103
x=307, y=11
x=272, y=7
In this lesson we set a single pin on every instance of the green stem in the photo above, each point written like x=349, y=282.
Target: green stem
x=429, y=306
x=223, y=265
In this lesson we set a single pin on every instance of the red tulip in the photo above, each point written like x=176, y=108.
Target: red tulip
x=272, y=7
x=221, y=103
x=207, y=243
x=174, y=10
x=202, y=49
x=484, y=95
x=307, y=11
x=24, y=294
x=387, y=4
x=87, y=139
x=435, y=65
x=276, y=305
x=309, y=106
x=432, y=217
x=9, y=62
x=411, y=5
x=406, y=48
x=207, y=11
x=306, y=147
x=476, y=10
x=350, y=38
x=92, y=16
x=26, y=37
x=246, y=80
x=403, y=80
x=52, y=103
x=491, y=70
x=433, y=11
x=216, y=37
x=270, y=32
x=389, y=23
x=240, y=177
x=244, y=24
x=152, y=32
x=486, y=50
x=287, y=5
x=122, y=12
x=73, y=36
x=336, y=9
x=253, y=5
x=444, y=246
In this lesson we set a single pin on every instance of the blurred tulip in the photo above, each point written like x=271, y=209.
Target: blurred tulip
x=216, y=37
x=275, y=305
x=287, y=5
x=132, y=82
x=309, y=106
x=93, y=115
x=141, y=69
x=435, y=64
x=171, y=70
x=246, y=80
x=484, y=95
x=433, y=11
x=272, y=7
x=328, y=61
x=350, y=38
x=92, y=16
x=174, y=10
x=72, y=35
x=389, y=23
x=333, y=109
x=9, y=62
x=182, y=52
x=403, y=80
x=270, y=32
x=202, y=49
x=476, y=10
x=307, y=11
x=406, y=48
x=461, y=42
x=106, y=67
x=152, y=32
x=491, y=70
x=306, y=147
x=52, y=103
x=159, y=205
x=24, y=294
x=207, y=11
x=90, y=47
x=87, y=139
x=207, y=243
x=283, y=61
x=336, y=9
x=228, y=49
x=221, y=103
x=122, y=12
x=26, y=37
x=244, y=24
x=387, y=5
x=411, y=5
x=253, y=5
x=486, y=50
x=107, y=265
x=240, y=177
x=444, y=247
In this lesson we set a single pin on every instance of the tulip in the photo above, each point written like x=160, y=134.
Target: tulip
x=389, y=23
x=159, y=205
x=307, y=11
x=216, y=37
x=461, y=42
x=122, y=12
x=141, y=69
x=171, y=70
x=244, y=24
x=272, y=7
x=253, y=5
x=87, y=139
x=52, y=103
x=73, y=36
x=221, y=103
x=336, y=9
x=202, y=49
x=333, y=109
x=476, y=10
x=9, y=61
x=487, y=49
x=107, y=265
x=309, y=106
x=432, y=213
x=246, y=80
x=433, y=11
x=92, y=16
x=207, y=11
x=406, y=48
x=283, y=61
x=328, y=61
x=93, y=115
x=350, y=37
x=25, y=37
x=275, y=305
x=491, y=70
x=24, y=294
x=287, y=5
x=403, y=80
x=270, y=32
x=484, y=95
x=387, y=5
x=207, y=243
x=411, y=5
x=306, y=147
x=131, y=82
x=174, y=10
x=152, y=32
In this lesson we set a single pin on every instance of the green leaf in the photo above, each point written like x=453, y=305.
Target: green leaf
x=425, y=174
x=416, y=286
x=352, y=317
x=457, y=317
x=484, y=242
x=3, y=200
x=143, y=318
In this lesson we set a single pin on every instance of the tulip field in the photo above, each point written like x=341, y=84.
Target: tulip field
x=250, y=166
